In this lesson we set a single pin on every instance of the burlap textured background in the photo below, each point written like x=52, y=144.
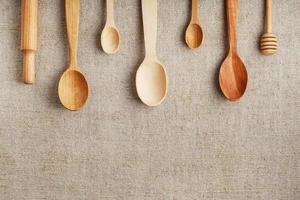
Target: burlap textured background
x=196, y=145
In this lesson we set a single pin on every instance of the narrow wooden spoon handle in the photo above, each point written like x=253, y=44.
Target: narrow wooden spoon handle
x=110, y=12
x=232, y=13
x=29, y=38
x=149, y=9
x=268, y=28
x=194, y=17
x=72, y=20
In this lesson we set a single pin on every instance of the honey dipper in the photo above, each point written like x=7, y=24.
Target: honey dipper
x=268, y=41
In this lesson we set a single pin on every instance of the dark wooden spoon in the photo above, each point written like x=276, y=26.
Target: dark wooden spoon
x=233, y=76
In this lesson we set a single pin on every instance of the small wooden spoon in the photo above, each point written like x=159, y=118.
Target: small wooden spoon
x=268, y=41
x=110, y=36
x=194, y=34
x=73, y=87
x=233, y=74
x=151, y=77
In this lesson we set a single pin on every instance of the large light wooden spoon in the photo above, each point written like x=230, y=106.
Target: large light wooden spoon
x=233, y=74
x=73, y=87
x=194, y=33
x=151, y=77
x=110, y=36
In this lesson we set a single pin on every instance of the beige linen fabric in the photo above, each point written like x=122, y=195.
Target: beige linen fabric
x=196, y=145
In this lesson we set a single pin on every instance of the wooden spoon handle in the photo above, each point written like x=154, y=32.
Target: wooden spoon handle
x=72, y=20
x=268, y=28
x=110, y=12
x=232, y=12
x=29, y=38
x=149, y=9
x=194, y=17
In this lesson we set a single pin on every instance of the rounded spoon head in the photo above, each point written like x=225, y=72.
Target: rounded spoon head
x=110, y=39
x=194, y=35
x=73, y=89
x=268, y=44
x=151, y=83
x=233, y=77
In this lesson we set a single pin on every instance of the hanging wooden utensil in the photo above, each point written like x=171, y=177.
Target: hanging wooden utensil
x=194, y=34
x=233, y=76
x=268, y=41
x=29, y=9
x=151, y=77
x=73, y=88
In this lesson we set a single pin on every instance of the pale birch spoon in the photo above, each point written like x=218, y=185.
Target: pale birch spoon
x=73, y=87
x=268, y=41
x=194, y=34
x=233, y=76
x=110, y=36
x=151, y=77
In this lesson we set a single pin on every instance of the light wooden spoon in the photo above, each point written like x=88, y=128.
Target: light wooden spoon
x=194, y=34
x=233, y=74
x=110, y=36
x=73, y=87
x=151, y=77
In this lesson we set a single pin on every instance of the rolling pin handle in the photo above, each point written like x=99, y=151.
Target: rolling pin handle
x=28, y=66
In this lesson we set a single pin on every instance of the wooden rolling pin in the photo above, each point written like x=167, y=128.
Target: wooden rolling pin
x=29, y=38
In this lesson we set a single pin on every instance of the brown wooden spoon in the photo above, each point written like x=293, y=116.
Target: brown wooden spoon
x=73, y=88
x=194, y=33
x=233, y=76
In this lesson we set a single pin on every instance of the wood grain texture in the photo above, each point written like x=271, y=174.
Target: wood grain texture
x=268, y=41
x=29, y=11
x=151, y=77
x=233, y=76
x=195, y=11
x=110, y=36
x=194, y=34
x=72, y=23
x=73, y=87
x=195, y=146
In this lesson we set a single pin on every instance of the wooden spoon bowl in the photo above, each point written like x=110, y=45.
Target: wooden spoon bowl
x=233, y=77
x=73, y=89
x=194, y=35
x=151, y=83
x=110, y=39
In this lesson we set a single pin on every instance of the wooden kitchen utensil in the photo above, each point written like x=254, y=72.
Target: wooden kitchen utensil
x=194, y=34
x=110, y=36
x=73, y=87
x=151, y=77
x=29, y=38
x=233, y=74
x=268, y=41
